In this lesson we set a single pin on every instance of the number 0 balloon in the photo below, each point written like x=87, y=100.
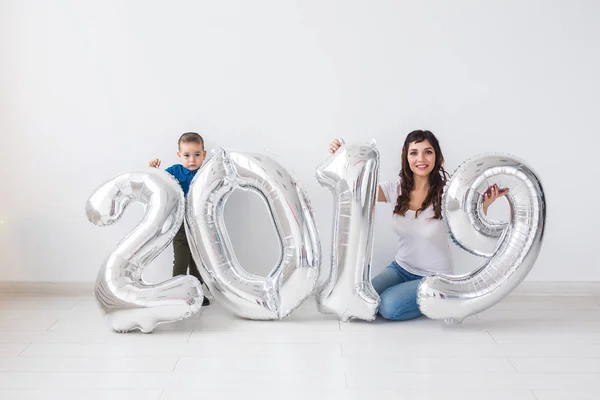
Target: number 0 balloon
x=293, y=278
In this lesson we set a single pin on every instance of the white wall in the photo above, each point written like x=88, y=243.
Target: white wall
x=89, y=90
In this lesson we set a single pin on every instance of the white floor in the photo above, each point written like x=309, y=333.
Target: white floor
x=525, y=348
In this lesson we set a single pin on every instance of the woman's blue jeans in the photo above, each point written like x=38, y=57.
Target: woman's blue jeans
x=397, y=289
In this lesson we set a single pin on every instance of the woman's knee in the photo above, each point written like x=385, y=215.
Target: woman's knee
x=397, y=310
x=385, y=309
x=384, y=280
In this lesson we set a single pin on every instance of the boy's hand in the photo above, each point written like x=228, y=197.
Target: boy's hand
x=334, y=146
x=154, y=163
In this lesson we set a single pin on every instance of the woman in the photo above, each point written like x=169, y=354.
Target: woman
x=422, y=236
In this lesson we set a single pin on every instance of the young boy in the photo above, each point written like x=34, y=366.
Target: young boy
x=191, y=154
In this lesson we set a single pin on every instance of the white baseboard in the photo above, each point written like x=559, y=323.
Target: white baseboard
x=87, y=288
x=48, y=288
x=558, y=289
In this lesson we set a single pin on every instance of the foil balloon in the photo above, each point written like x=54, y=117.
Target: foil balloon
x=293, y=277
x=351, y=174
x=127, y=301
x=510, y=249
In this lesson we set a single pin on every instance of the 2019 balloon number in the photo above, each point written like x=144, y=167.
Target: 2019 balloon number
x=351, y=174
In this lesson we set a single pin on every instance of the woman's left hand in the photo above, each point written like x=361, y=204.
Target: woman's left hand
x=491, y=195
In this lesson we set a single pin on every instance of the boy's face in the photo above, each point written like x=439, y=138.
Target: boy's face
x=191, y=155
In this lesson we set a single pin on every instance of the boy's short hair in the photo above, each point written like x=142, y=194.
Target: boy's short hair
x=190, y=137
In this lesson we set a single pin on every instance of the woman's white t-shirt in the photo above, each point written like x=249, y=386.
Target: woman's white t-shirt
x=423, y=247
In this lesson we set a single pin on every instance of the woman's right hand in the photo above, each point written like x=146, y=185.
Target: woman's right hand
x=334, y=146
x=154, y=163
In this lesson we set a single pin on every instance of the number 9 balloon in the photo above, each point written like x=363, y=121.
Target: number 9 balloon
x=510, y=248
x=127, y=302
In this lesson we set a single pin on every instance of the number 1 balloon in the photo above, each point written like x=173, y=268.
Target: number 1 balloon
x=510, y=248
x=126, y=300
x=351, y=174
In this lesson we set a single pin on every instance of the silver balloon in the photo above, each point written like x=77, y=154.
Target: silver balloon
x=510, y=248
x=127, y=302
x=293, y=277
x=351, y=174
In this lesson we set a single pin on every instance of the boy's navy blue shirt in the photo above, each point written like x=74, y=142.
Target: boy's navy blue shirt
x=183, y=175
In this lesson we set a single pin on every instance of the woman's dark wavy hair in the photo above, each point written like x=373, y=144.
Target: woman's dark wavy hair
x=437, y=178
